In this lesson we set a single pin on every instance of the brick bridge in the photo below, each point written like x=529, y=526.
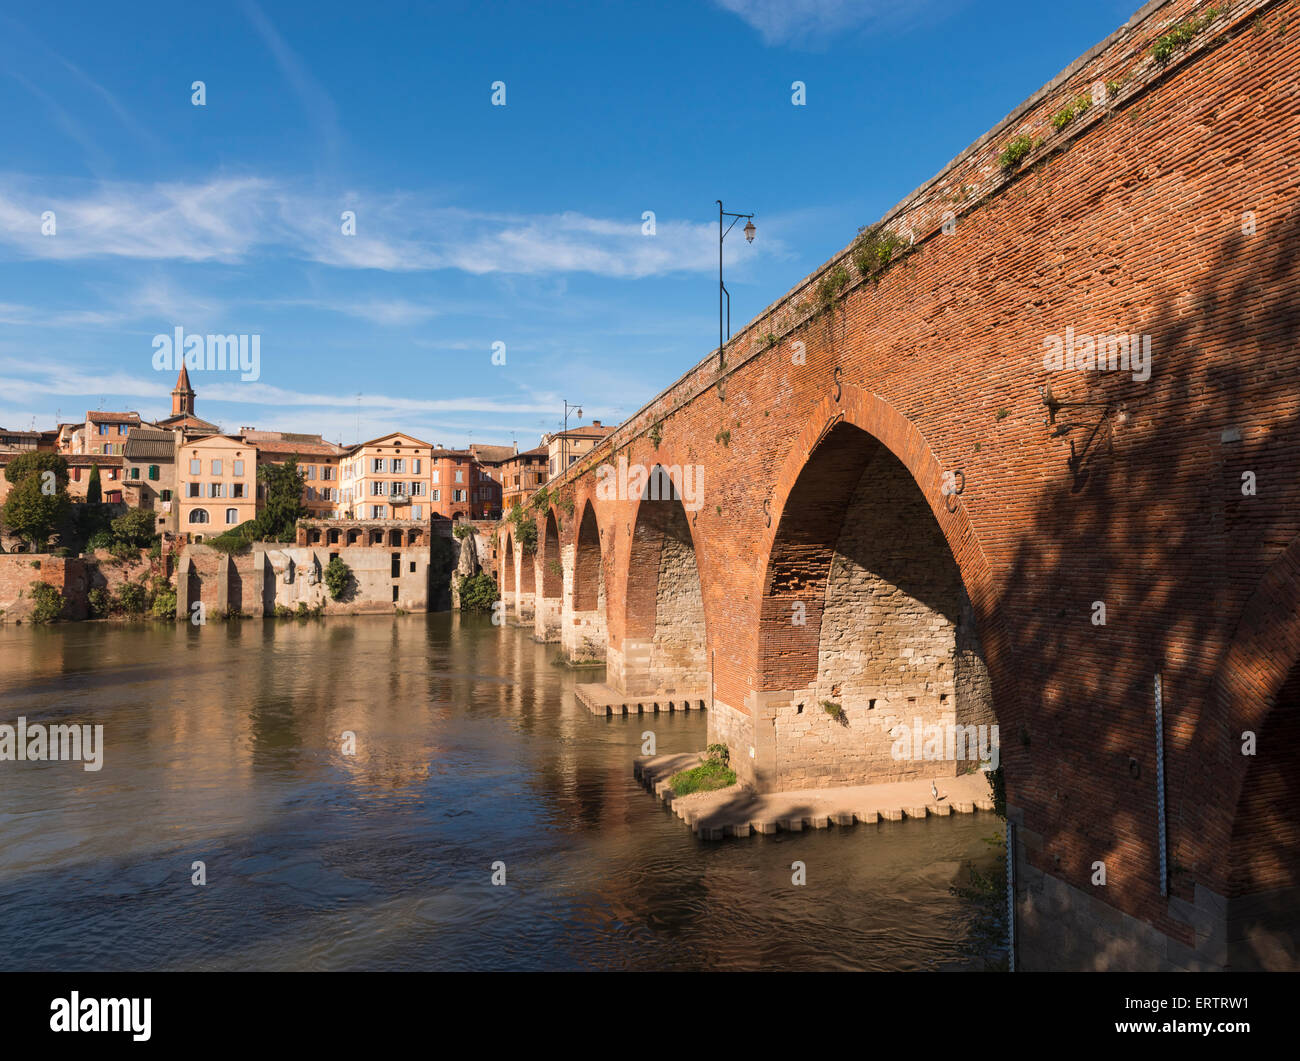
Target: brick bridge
x=893, y=512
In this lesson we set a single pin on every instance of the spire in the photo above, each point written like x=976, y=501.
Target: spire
x=183, y=395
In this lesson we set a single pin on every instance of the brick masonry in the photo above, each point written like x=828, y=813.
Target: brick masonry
x=1168, y=209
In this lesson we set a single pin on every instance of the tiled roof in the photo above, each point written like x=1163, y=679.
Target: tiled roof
x=302, y=449
x=144, y=443
x=494, y=454
x=113, y=418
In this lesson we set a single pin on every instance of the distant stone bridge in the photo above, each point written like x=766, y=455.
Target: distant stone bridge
x=903, y=514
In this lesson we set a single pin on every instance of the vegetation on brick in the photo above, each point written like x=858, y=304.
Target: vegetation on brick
x=656, y=435
x=47, y=603
x=525, y=529
x=1016, y=151
x=1182, y=34
x=874, y=249
x=1070, y=111
x=832, y=708
x=831, y=285
x=462, y=530
x=164, y=604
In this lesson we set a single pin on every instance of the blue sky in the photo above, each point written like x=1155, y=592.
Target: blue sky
x=475, y=224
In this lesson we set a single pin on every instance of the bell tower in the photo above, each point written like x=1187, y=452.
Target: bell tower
x=183, y=395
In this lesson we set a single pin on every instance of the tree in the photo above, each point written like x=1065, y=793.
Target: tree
x=477, y=592
x=94, y=493
x=32, y=513
x=35, y=462
x=135, y=528
x=284, y=508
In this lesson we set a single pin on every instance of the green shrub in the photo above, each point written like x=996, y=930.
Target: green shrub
x=101, y=602
x=338, y=577
x=164, y=604
x=123, y=551
x=131, y=598
x=711, y=774
x=1182, y=34
x=477, y=592
x=1070, y=111
x=462, y=530
x=283, y=611
x=100, y=540
x=832, y=708
x=135, y=528
x=47, y=603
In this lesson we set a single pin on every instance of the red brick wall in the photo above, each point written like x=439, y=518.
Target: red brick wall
x=20, y=572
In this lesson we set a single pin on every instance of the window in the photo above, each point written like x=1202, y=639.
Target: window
x=399, y=464
x=378, y=511
x=121, y=429
x=216, y=467
x=418, y=488
x=232, y=515
x=192, y=489
x=460, y=476
x=378, y=488
x=194, y=467
x=415, y=466
x=112, y=473
x=435, y=475
x=239, y=469
x=153, y=472
x=216, y=489
x=327, y=472
x=237, y=490
x=437, y=495
x=166, y=495
x=417, y=512
x=135, y=473
x=103, y=429
x=399, y=488
x=199, y=515
x=377, y=465
x=459, y=495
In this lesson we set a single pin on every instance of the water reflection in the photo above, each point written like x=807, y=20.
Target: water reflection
x=224, y=744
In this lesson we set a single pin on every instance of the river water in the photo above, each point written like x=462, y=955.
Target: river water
x=223, y=745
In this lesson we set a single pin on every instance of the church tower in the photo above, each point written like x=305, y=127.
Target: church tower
x=183, y=395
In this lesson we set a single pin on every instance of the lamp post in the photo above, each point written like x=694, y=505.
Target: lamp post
x=564, y=438
x=749, y=231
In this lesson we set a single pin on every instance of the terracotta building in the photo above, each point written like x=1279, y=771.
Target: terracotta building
x=149, y=474
x=318, y=461
x=565, y=447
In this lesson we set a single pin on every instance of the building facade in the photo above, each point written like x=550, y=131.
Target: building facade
x=216, y=484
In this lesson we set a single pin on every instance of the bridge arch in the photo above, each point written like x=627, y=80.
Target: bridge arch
x=584, y=633
x=549, y=576
x=1256, y=691
x=876, y=624
x=664, y=643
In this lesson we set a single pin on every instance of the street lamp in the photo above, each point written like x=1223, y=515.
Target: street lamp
x=564, y=438
x=749, y=231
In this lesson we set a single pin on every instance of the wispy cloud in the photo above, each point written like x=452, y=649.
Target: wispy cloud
x=815, y=21
x=231, y=219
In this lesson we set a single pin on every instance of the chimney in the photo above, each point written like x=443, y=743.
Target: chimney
x=595, y=423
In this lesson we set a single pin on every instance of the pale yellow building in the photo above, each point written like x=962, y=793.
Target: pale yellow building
x=387, y=478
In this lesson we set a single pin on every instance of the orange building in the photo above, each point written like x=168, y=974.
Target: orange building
x=216, y=484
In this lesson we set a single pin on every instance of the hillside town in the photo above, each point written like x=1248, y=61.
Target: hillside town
x=184, y=482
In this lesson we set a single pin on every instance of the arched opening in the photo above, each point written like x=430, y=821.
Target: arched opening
x=508, y=567
x=313, y=536
x=395, y=539
x=1263, y=915
x=664, y=646
x=585, y=632
x=333, y=536
x=551, y=582
x=376, y=537
x=871, y=663
x=354, y=536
